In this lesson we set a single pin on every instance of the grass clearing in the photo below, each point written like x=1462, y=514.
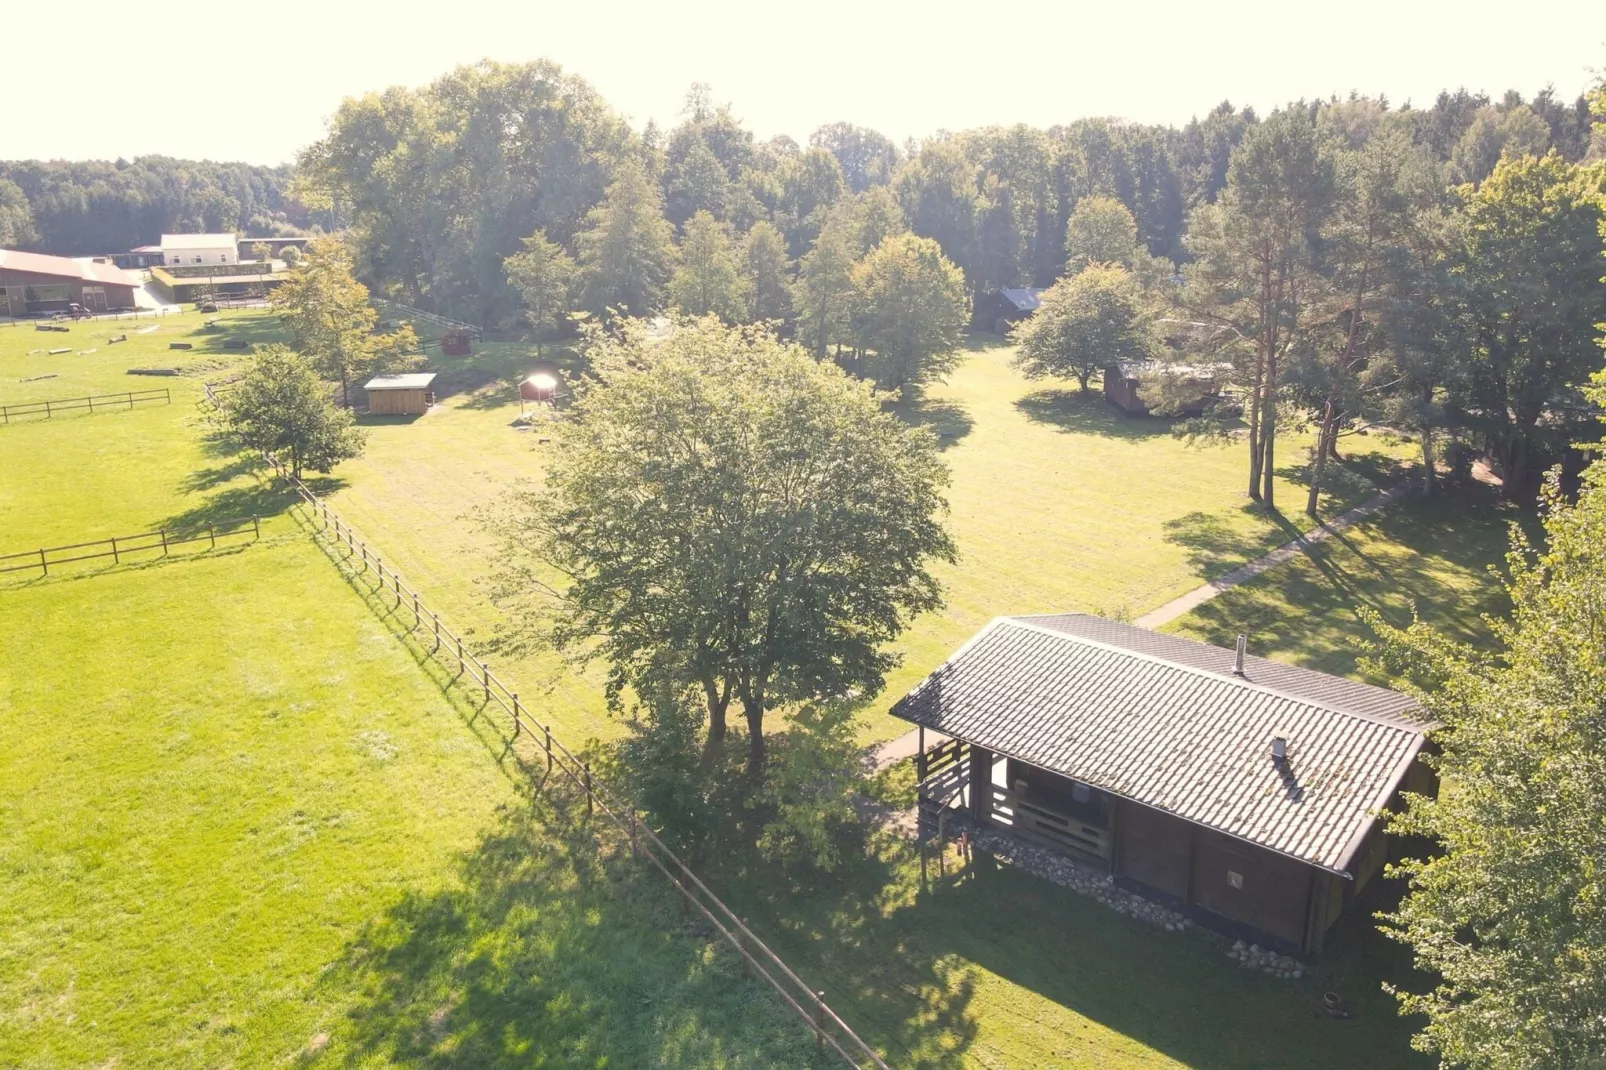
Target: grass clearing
x=1058, y=503
x=1432, y=555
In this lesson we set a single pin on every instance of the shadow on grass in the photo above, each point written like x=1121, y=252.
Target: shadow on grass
x=1216, y=546
x=260, y=498
x=949, y=420
x=1088, y=413
x=553, y=949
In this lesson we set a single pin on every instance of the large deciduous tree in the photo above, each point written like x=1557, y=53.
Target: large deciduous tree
x=543, y=274
x=738, y=520
x=332, y=322
x=1510, y=914
x=1532, y=269
x=708, y=280
x=1089, y=321
x=279, y=406
x=910, y=310
x=1101, y=231
x=823, y=293
x=767, y=273
x=627, y=252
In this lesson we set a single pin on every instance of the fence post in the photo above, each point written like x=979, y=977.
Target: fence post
x=164, y=542
x=634, y=853
x=819, y=1019
x=587, y=768
x=43, y=563
x=741, y=947
x=256, y=525
x=417, y=620
x=91, y=400
x=47, y=410
x=212, y=531
x=115, y=559
x=437, y=619
x=396, y=582
x=548, y=731
x=364, y=555
x=380, y=565
x=516, y=725
x=461, y=668
x=485, y=678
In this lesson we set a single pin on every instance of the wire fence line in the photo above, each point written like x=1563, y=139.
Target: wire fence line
x=53, y=406
x=120, y=546
x=447, y=646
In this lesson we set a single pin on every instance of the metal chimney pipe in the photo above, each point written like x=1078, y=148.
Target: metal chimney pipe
x=1279, y=749
x=1243, y=648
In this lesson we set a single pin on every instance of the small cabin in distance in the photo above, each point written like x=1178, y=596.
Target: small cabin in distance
x=1241, y=792
x=406, y=394
x=1006, y=306
x=1123, y=385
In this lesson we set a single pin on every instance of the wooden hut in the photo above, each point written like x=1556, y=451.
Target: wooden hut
x=407, y=394
x=1123, y=384
x=1242, y=792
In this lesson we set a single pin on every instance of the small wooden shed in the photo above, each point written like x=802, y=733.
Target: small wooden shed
x=407, y=394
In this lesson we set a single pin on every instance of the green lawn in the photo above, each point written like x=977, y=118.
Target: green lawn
x=266, y=830
x=1430, y=555
x=1058, y=503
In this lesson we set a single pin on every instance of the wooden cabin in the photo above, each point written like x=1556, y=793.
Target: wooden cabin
x=1123, y=384
x=407, y=394
x=1242, y=792
x=999, y=310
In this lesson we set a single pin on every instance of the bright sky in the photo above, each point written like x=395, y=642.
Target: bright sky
x=92, y=79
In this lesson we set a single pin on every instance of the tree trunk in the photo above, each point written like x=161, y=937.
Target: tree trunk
x=718, y=701
x=756, y=755
x=1268, y=433
x=1083, y=376
x=1430, y=475
x=1319, y=463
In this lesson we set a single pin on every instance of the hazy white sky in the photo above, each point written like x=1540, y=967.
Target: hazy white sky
x=98, y=79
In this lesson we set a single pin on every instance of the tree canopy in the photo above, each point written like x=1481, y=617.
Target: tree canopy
x=1086, y=322
x=736, y=520
x=280, y=406
x=910, y=310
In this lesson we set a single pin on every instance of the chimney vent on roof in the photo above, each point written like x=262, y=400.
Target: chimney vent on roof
x=1243, y=648
x=1279, y=749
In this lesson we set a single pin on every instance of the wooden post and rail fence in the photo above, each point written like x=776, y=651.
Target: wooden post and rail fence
x=447, y=646
x=55, y=406
x=120, y=546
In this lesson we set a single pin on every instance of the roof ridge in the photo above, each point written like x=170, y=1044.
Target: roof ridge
x=1228, y=678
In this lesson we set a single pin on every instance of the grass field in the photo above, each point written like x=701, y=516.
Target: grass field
x=265, y=830
x=1432, y=556
x=1058, y=503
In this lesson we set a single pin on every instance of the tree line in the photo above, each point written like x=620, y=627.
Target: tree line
x=77, y=208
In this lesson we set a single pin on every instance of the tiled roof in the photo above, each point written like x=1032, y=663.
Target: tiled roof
x=1149, y=719
x=198, y=241
x=65, y=267
x=1023, y=298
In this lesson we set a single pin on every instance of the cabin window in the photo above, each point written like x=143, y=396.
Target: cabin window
x=198, y=260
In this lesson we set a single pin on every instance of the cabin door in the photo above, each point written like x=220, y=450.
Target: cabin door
x=94, y=299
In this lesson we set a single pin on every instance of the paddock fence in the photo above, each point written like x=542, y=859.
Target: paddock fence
x=50, y=408
x=448, y=648
x=120, y=546
x=396, y=310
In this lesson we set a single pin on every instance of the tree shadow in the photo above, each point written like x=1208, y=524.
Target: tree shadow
x=1089, y=414
x=551, y=949
x=256, y=499
x=1216, y=546
x=949, y=420
x=369, y=419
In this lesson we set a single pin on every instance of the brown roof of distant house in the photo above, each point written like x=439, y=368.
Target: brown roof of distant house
x=1164, y=722
x=65, y=267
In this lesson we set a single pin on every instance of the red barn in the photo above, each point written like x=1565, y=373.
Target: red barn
x=34, y=284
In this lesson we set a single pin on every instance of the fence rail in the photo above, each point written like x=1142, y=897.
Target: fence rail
x=447, y=647
x=129, y=398
x=393, y=308
x=120, y=546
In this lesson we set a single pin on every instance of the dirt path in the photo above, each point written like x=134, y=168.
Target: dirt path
x=895, y=750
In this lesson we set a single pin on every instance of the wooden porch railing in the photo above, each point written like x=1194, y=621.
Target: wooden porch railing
x=1035, y=821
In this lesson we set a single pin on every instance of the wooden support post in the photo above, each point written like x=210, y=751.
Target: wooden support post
x=635, y=853
x=256, y=526
x=485, y=678
x=516, y=725
x=43, y=563
x=437, y=619
x=164, y=542
x=47, y=410
x=115, y=559
x=819, y=1019
x=461, y=668
x=741, y=945
x=380, y=565
x=548, y=731
x=364, y=557
x=587, y=768
x=417, y=620
x=920, y=754
x=91, y=400
x=397, y=584
x=212, y=531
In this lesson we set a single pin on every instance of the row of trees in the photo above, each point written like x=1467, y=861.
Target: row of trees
x=73, y=208
x=442, y=183
x=1341, y=276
